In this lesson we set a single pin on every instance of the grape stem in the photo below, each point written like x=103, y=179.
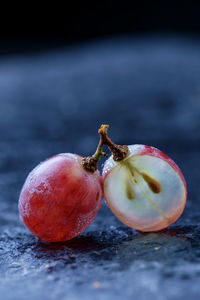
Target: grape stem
x=119, y=152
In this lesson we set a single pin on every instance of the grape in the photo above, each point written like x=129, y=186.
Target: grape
x=60, y=198
x=144, y=188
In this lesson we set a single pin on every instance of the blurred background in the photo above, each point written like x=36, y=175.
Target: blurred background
x=65, y=71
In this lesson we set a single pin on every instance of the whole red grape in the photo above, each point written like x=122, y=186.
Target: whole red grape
x=60, y=198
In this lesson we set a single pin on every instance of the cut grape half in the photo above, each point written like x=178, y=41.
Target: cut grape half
x=146, y=190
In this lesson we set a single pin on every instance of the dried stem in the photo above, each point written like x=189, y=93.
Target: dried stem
x=119, y=152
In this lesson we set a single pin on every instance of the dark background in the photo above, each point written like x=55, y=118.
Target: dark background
x=36, y=26
x=63, y=72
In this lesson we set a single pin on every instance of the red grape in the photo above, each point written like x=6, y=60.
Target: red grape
x=60, y=198
x=143, y=187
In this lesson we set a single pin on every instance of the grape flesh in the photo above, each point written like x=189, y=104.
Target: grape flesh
x=146, y=190
x=59, y=199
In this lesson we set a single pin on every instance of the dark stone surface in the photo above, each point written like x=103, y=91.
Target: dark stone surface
x=148, y=90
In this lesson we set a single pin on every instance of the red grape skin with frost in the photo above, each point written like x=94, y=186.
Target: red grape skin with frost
x=60, y=199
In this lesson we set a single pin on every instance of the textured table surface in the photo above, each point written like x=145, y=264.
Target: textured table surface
x=148, y=90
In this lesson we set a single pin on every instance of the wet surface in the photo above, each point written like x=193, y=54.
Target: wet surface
x=148, y=90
